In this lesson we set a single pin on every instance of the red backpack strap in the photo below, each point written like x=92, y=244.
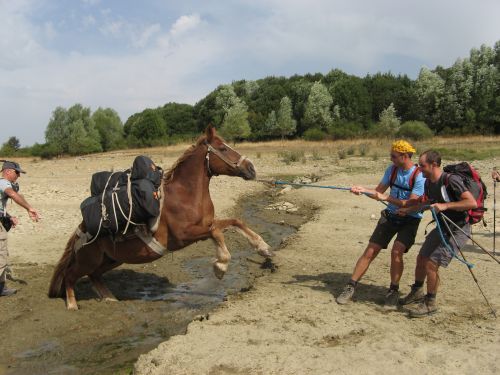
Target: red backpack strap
x=394, y=174
x=413, y=176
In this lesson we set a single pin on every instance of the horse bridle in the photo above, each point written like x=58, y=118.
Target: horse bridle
x=233, y=164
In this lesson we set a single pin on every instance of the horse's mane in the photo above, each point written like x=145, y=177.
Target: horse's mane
x=169, y=175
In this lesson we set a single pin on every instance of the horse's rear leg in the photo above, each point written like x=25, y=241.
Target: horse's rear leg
x=97, y=281
x=223, y=256
x=87, y=260
x=255, y=240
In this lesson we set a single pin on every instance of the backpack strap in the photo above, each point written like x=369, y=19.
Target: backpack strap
x=411, y=183
x=394, y=174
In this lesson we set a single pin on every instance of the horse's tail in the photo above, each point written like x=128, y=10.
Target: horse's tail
x=56, y=288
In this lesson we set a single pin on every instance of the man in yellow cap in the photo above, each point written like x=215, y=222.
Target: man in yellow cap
x=406, y=182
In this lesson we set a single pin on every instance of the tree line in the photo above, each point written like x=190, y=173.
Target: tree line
x=461, y=99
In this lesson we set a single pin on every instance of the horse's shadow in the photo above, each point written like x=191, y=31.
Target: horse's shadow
x=126, y=284
x=334, y=282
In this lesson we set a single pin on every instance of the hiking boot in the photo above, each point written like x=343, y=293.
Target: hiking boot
x=391, y=300
x=415, y=295
x=425, y=308
x=346, y=295
x=6, y=292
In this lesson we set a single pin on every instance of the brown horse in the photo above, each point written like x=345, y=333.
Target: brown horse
x=187, y=216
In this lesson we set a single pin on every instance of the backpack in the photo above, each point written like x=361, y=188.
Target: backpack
x=106, y=211
x=413, y=177
x=473, y=182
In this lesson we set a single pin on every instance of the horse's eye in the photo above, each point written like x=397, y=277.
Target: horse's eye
x=223, y=149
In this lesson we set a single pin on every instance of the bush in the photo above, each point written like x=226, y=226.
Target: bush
x=415, y=130
x=346, y=130
x=314, y=134
x=45, y=151
x=292, y=156
x=364, y=148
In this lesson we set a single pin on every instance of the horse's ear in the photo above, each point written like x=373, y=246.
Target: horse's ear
x=210, y=132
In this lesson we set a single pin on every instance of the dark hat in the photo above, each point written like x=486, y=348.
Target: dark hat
x=12, y=165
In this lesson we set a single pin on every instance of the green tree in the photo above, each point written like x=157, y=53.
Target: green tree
x=286, y=125
x=179, y=119
x=317, y=114
x=235, y=125
x=271, y=124
x=389, y=122
x=59, y=132
x=147, y=129
x=429, y=91
x=110, y=128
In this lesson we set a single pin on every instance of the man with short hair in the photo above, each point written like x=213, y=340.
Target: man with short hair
x=9, y=189
x=445, y=194
x=406, y=182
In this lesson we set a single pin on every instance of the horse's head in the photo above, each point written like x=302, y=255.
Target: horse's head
x=222, y=159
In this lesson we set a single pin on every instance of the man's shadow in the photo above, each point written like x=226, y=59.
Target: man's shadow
x=126, y=284
x=334, y=283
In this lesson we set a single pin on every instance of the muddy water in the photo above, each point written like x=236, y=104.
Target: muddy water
x=157, y=300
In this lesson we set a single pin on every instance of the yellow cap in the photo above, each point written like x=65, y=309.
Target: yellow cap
x=403, y=147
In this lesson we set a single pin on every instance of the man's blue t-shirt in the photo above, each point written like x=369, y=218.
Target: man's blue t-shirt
x=403, y=179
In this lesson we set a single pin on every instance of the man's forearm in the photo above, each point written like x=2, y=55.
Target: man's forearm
x=19, y=199
x=462, y=205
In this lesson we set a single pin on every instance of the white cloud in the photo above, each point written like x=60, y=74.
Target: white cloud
x=219, y=43
x=91, y=2
x=142, y=39
x=88, y=20
x=49, y=30
x=112, y=28
x=185, y=23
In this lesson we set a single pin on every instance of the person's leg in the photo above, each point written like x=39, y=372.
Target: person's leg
x=432, y=277
x=364, y=261
x=380, y=238
x=360, y=269
x=397, y=267
x=416, y=294
x=4, y=263
x=428, y=305
x=397, y=264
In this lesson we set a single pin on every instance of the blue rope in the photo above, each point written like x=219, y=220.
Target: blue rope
x=322, y=187
x=445, y=242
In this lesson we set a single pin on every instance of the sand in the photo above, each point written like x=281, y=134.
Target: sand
x=290, y=324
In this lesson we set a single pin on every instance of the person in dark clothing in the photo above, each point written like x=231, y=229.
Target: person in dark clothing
x=454, y=200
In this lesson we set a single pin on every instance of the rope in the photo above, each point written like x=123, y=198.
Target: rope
x=103, y=212
x=333, y=187
x=445, y=241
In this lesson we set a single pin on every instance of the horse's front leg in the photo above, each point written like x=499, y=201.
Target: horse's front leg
x=222, y=253
x=255, y=240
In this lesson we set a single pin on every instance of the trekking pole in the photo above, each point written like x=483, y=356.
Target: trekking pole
x=469, y=268
x=447, y=219
x=494, y=215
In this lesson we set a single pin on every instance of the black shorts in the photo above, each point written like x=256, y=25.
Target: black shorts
x=389, y=225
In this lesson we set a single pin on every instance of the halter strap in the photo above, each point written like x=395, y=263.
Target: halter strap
x=233, y=164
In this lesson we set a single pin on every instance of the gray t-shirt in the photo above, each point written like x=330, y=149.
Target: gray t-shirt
x=437, y=192
x=4, y=184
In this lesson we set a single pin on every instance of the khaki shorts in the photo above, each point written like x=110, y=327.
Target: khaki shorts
x=4, y=254
x=434, y=249
x=389, y=226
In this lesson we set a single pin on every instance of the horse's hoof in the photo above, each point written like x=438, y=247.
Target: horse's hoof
x=219, y=270
x=266, y=253
x=110, y=299
x=72, y=307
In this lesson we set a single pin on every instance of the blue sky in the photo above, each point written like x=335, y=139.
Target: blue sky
x=131, y=55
